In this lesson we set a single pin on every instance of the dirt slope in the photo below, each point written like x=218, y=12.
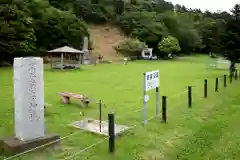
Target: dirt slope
x=104, y=37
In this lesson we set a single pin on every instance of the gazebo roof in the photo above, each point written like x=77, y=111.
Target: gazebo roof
x=66, y=49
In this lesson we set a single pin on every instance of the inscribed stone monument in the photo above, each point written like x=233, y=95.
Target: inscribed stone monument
x=29, y=98
x=86, y=56
x=85, y=44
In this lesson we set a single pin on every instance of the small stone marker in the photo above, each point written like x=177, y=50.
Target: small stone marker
x=29, y=98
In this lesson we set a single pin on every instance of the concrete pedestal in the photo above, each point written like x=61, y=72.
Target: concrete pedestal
x=10, y=146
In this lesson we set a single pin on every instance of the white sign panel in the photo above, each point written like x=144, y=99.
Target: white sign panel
x=151, y=80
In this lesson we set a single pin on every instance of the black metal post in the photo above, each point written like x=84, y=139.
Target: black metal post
x=216, y=85
x=157, y=101
x=225, y=80
x=164, y=108
x=231, y=76
x=189, y=96
x=111, y=132
x=205, y=89
x=100, y=115
x=236, y=75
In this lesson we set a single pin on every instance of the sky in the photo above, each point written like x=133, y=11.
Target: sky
x=212, y=5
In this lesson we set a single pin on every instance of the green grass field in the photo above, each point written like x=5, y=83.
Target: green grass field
x=207, y=131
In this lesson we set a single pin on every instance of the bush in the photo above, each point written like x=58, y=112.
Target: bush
x=130, y=47
x=169, y=44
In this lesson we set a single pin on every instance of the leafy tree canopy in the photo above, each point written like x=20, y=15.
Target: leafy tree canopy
x=169, y=44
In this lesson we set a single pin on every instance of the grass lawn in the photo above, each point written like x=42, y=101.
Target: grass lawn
x=207, y=131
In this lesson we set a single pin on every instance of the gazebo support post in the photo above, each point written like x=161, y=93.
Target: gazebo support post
x=51, y=61
x=61, y=60
x=79, y=59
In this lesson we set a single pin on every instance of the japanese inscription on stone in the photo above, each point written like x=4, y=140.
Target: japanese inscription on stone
x=29, y=98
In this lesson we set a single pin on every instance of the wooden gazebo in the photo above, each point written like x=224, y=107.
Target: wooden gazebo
x=66, y=58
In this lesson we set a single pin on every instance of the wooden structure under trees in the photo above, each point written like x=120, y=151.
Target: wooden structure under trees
x=66, y=58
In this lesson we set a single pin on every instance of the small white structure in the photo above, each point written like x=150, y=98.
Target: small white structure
x=147, y=53
x=29, y=98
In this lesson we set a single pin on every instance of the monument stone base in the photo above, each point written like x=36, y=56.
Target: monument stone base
x=92, y=125
x=10, y=146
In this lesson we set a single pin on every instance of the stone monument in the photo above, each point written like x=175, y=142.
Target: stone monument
x=85, y=44
x=28, y=107
x=28, y=98
x=86, y=56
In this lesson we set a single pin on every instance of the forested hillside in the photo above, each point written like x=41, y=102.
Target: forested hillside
x=30, y=27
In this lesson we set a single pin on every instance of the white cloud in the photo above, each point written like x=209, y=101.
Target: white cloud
x=212, y=5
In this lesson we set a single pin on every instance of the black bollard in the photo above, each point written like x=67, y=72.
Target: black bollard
x=230, y=77
x=236, y=75
x=205, y=89
x=189, y=97
x=225, y=80
x=111, y=132
x=164, y=109
x=216, y=85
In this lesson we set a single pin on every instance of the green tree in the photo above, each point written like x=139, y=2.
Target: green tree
x=133, y=2
x=17, y=33
x=210, y=30
x=143, y=26
x=37, y=7
x=169, y=44
x=94, y=13
x=56, y=28
x=231, y=38
x=158, y=6
x=130, y=47
x=181, y=26
x=187, y=34
x=119, y=6
x=62, y=4
x=163, y=6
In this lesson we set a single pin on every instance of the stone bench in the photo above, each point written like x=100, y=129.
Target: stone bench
x=67, y=95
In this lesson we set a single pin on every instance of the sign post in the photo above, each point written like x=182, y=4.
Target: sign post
x=151, y=81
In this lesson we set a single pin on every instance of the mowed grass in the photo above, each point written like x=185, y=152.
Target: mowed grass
x=209, y=130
